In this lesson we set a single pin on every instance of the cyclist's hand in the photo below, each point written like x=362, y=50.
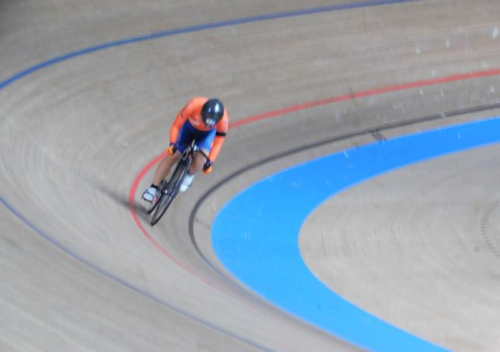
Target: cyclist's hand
x=172, y=149
x=207, y=168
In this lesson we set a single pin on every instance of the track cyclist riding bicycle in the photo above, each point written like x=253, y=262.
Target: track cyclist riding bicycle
x=204, y=120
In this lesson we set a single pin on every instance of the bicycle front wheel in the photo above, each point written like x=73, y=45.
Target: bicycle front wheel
x=172, y=190
x=157, y=197
x=161, y=208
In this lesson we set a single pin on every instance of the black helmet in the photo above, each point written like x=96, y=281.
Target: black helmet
x=212, y=112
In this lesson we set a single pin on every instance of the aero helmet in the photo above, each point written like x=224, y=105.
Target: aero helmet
x=212, y=112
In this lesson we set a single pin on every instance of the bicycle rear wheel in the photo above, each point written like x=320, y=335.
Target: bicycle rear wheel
x=172, y=189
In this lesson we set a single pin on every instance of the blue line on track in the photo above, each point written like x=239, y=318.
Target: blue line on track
x=256, y=234
x=197, y=28
x=125, y=283
x=51, y=62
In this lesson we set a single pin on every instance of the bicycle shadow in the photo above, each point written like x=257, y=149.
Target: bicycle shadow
x=122, y=200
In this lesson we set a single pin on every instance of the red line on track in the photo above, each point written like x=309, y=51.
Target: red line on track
x=366, y=93
x=287, y=110
x=133, y=210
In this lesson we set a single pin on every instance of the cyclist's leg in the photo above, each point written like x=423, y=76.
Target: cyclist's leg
x=198, y=162
x=204, y=142
x=165, y=166
x=185, y=138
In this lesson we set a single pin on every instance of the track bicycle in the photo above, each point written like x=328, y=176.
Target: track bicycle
x=168, y=190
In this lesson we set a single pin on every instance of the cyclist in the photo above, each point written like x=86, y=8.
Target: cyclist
x=203, y=119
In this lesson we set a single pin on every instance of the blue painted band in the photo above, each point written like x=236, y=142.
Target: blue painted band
x=51, y=62
x=256, y=234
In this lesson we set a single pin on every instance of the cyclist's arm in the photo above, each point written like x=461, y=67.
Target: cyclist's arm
x=220, y=137
x=180, y=120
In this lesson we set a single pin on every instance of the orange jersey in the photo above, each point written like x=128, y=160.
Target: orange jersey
x=192, y=112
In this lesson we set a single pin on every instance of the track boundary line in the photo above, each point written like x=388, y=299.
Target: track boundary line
x=368, y=131
x=51, y=62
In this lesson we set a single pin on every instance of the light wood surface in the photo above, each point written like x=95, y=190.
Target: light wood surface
x=74, y=136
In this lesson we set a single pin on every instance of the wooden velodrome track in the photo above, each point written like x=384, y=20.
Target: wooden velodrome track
x=79, y=274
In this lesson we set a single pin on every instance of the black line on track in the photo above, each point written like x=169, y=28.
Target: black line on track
x=485, y=225
x=374, y=131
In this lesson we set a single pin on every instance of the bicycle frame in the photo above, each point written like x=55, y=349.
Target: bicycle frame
x=170, y=189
